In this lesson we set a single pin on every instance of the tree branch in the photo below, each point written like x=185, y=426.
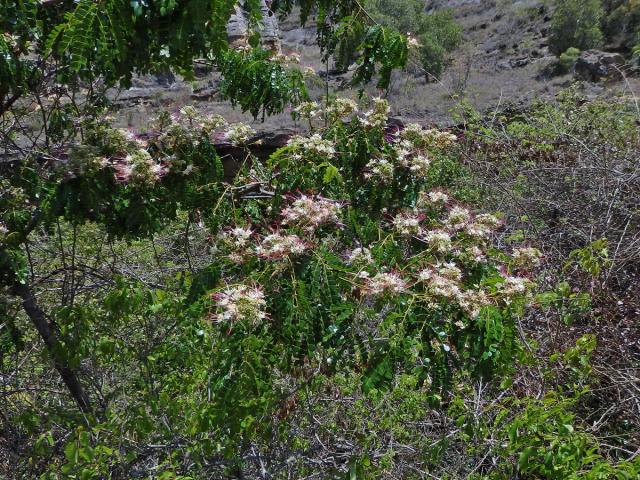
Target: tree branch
x=48, y=335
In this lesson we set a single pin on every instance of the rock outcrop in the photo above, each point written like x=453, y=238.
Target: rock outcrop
x=594, y=65
x=238, y=28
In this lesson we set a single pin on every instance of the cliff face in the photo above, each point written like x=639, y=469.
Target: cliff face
x=238, y=27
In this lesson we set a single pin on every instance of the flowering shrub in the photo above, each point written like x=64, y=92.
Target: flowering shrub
x=355, y=261
x=357, y=231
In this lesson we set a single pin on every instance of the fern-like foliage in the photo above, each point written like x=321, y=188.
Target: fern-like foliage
x=16, y=20
x=253, y=81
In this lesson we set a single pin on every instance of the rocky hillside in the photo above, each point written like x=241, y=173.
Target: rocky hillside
x=504, y=62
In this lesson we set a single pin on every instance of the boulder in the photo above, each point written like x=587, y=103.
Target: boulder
x=593, y=65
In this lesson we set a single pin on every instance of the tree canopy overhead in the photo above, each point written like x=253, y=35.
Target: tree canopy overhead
x=112, y=40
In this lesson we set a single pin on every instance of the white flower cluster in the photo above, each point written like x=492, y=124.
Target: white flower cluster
x=435, y=197
x=412, y=42
x=378, y=116
x=458, y=218
x=379, y=169
x=419, y=166
x=140, y=168
x=239, y=133
x=407, y=224
x=471, y=253
x=3, y=228
x=308, y=110
x=472, y=301
x=415, y=159
x=526, y=256
x=512, y=286
x=442, y=280
x=342, y=107
x=238, y=237
x=439, y=240
x=291, y=58
x=431, y=138
x=412, y=133
x=314, y=144
x=310, y=213
x=383, y=283
x=360, y=256
x=189, y=113
x=482, y=226
x=214, y=122
x=277, y=246
x=240, y=303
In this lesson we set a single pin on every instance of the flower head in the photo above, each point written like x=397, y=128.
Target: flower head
x=360, y=256
x=439, y=240
x=311, y=212
x=379, y=169
x=458, y=217
x=240, y=303
x=140, y=168
x=513, y=286
x=407, y=224
x=314, y=144
x=385, y=283
x=238, y=237
x=214, y=122
x=239, y=133
x=308, y=110
x=433, y=198
x=189, y=113
x=526, y=256
x=442, y=279
x=277, y=246
x=342, y=107
x=472, y=301
x=377, y=117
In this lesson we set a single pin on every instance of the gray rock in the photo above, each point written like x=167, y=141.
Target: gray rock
x=238, y=27
x=594, y=65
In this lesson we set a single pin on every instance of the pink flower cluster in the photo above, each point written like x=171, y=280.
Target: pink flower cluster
x=240, y=303
x=277, y=246
x=311, y=212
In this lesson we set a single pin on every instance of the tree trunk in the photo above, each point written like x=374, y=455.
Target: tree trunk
x=48, y=335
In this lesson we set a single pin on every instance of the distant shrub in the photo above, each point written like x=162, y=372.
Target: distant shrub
x=438, y=32
x=441, y=34
x=568, y=59
x=576, y=23
x=622, y=23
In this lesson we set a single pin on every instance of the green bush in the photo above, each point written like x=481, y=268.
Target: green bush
x=622, y=24
x=568, y=59
x=438, y=32
x=576, y=23
x=441, y=35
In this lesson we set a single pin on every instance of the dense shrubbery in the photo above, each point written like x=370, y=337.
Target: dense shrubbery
x=576, y=23
x=306, y=318
x=590, y=24
x=357, y=264
x=622, y=25
x=344, y=308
